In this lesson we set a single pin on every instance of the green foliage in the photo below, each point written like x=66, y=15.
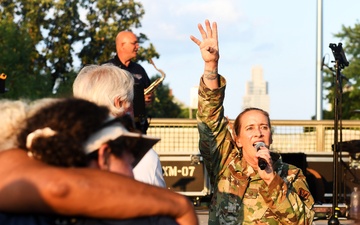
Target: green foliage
x=105, y=19
x=41, y=40
x=164, y=105
x=188, y=113
x=350, y=39
x=16, y=61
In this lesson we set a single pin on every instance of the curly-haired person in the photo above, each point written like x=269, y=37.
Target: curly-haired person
x=110, y=86
x=77, y=133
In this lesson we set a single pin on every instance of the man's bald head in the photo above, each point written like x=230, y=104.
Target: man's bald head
x=126, y=46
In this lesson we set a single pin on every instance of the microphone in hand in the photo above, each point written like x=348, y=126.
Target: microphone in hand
x=261, y=162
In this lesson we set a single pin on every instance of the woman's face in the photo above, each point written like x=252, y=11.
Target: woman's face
x=254, y=128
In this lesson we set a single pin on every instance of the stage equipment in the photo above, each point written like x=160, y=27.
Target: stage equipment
x=340, y=63
x=186, y=175
x=353, y=148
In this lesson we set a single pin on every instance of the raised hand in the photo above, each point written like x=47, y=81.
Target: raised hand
x=209, y=46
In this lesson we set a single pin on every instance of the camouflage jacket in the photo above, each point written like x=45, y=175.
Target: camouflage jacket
x=240, y=196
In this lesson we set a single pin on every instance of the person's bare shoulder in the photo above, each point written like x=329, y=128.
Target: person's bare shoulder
x=12, y=158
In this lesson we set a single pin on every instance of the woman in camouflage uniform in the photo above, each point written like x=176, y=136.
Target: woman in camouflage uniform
x=244, y=193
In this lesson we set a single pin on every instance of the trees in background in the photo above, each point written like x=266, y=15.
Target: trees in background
x=350, y=37
x=18, y=60
x=164, y=104
x=43, y=39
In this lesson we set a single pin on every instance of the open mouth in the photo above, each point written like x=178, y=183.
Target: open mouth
x=259, y=144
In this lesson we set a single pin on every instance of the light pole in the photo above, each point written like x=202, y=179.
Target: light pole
x=319, y=53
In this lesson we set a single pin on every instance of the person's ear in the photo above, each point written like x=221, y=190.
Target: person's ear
x=118, y=103
x=126, y=106
x=237, y=141
x=104, y=157
x=123, y=47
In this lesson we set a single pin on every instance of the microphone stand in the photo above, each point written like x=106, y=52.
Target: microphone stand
x=340, y=63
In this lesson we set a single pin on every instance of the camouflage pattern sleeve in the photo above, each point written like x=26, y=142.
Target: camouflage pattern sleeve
x=212, y=127
x=289, y=198
x=240, y=195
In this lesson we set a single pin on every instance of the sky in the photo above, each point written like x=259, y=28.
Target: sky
x=280, y=36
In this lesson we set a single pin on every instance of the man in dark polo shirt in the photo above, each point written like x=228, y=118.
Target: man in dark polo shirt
x=126, y=48
x=149, y=169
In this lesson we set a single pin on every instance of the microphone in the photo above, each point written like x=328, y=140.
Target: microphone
x=261, y=162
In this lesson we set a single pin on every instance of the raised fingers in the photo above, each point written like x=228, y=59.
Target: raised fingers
x=210, y=33
x=195, y=40
x=214, y=30
x=202, y=31
x=208, y=28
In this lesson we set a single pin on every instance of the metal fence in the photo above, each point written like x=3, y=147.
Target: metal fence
x=180, y=136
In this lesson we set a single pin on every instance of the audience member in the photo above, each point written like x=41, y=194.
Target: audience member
x=13, y=114
x=112, y=87
x=30, y=186
x=126, y=48
x=65, y=134
x=244, y=192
